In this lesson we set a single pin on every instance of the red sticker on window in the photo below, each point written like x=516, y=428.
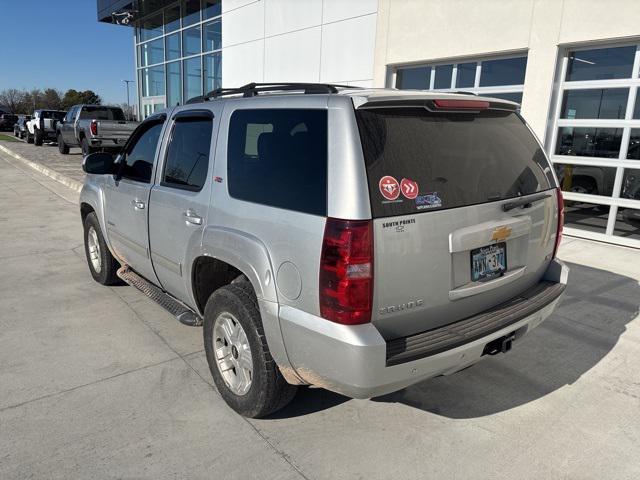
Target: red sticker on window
x=389, y=187
x=409, y=188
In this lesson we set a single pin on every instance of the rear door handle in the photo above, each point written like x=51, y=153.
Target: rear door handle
x=137, y=204
x=192, y=217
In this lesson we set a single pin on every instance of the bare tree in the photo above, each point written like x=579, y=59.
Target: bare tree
x=12, y=98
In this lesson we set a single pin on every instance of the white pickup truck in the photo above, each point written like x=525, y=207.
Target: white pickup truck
x=93, y=128
x=42, y=126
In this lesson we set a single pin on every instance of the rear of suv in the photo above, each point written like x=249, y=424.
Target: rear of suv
x=358, y=240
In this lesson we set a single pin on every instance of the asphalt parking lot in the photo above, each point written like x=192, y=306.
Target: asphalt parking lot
x=100, y=382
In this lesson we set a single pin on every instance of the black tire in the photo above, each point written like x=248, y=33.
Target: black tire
x=269, y=391
x=15, y=133
x=86, y=148
x=29, y=137
x=109, y=265
x=63, y=148
x=37, y=137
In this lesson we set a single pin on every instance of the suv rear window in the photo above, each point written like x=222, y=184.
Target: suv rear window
x=278, y=157
x=419, y=160
x=101, y=113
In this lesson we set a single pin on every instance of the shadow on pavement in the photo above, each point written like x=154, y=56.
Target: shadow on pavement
x=585, y=326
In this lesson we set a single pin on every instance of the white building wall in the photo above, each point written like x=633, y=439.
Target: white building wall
x=298, y=41
x=419, y=31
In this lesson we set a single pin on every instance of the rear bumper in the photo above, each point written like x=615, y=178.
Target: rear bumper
x=107, y=142
x=357, y=361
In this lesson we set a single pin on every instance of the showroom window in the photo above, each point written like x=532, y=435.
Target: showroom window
x=594, y=142
x=501, y=77
x=179, y=54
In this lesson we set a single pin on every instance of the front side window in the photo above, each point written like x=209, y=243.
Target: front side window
x=279, y=158
x=138, y=159
x=187, y=158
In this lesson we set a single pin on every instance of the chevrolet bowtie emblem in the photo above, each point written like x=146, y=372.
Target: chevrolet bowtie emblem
x=500, y=234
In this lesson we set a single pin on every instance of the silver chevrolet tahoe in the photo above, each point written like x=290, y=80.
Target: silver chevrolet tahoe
x=358, y=240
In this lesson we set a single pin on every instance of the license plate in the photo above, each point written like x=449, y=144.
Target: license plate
x=488, y=262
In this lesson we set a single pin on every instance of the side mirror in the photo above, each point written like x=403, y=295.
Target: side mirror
x=100, y=163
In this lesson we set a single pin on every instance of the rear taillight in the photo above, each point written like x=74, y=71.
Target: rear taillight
x=346, y=271
x=94, y=127
x=560, y=221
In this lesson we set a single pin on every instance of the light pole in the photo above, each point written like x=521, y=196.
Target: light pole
x=127, y=82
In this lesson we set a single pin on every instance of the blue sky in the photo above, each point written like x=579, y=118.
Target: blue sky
x=60, y=44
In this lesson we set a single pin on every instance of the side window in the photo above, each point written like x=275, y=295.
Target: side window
x=70, y=114
x=279, y=158
x=187, y=158
x=140, y=154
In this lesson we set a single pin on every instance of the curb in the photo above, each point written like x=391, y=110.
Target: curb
x=58, y=177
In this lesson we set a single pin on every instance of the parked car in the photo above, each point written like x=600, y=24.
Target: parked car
x=356, y=240
x=42, y=126
x=20, y=128
x=7, y=121
x=93, y=128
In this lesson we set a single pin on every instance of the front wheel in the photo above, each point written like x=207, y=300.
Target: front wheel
x=242, y=367
x=29, y=137
x=102, y=265
x=37, y=137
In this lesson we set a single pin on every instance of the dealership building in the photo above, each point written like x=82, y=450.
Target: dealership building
x=573, y=65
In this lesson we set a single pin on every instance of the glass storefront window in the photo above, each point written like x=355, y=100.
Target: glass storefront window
x=633, y=153
x=466, y=76
x=595, y=103
x=172, y=47
x=212, y=36
x=191, y=41
x=172, y=19
x=627, y=223
x=192, y=77
x=212, y=71
x=191, y=12
x=443, y=76
x=636, y=108
x=211, y=8
x=511, y=96
x=151, y=53
x=600, y=63
x=150, y=28
x=506, y=71
x=152, y=80
x=587, y=179
x=631, y=184
x=589, y=141
x=413, y=78
x=174, y=84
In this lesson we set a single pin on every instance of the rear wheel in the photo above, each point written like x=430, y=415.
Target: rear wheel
x=102, y=265
x=242, y=367
x=86, y=148
x=37, y=137
x=63, y=148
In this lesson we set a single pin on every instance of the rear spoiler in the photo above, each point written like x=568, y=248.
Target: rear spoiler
x=443, y=104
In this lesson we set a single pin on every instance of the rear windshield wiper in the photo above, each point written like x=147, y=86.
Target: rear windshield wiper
x=525, y=202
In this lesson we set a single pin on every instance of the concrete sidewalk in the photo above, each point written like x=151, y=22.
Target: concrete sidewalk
x=100, y=382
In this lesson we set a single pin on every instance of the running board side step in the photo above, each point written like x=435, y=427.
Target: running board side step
x=176, y=308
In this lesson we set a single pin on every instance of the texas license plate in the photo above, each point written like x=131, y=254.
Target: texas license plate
x=488, y=262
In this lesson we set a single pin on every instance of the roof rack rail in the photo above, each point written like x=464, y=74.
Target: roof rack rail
x=253, y=89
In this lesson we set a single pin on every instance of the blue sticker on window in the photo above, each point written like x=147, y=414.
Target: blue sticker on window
x=428, y=200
